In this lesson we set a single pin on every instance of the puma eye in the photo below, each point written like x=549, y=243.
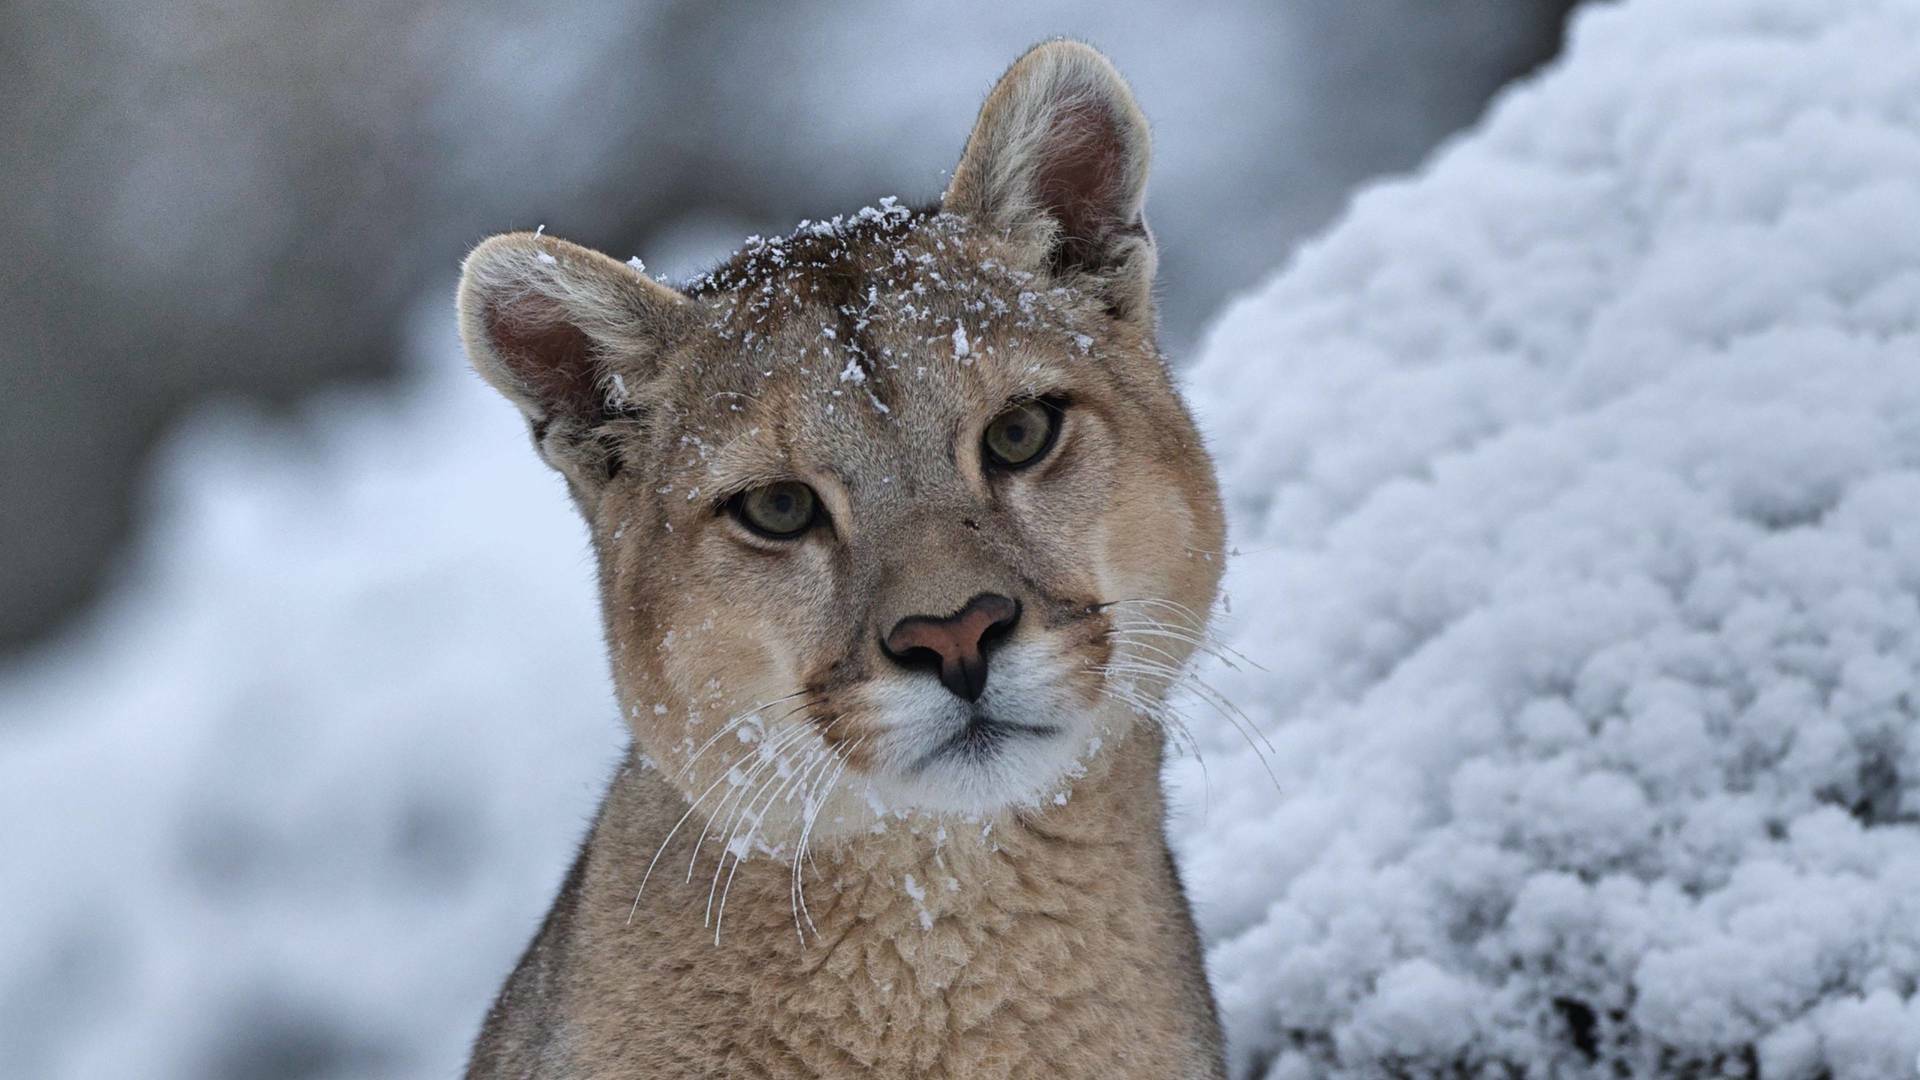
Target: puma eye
x=1021, y=435
x=779, y=511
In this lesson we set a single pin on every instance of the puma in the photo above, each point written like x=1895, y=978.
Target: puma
x=903, y=533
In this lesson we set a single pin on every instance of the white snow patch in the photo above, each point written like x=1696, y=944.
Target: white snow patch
x=918, y=894
x=321, y=758
x=1578, y=479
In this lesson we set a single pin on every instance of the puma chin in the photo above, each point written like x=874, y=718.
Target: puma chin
x=1018, y=743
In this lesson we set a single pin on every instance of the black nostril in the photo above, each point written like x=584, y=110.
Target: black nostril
x=920, y=656
x=1002, y=625
x=954, y=646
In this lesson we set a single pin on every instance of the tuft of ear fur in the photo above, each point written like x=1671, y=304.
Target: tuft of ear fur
x=564, y=332
x=1057, y=162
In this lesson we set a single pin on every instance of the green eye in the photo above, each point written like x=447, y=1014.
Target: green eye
x=1021, y=435
x=779, y=511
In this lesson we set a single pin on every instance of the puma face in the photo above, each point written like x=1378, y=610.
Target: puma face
x=899, y=513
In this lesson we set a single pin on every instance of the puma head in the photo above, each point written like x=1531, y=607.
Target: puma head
x=905, y=499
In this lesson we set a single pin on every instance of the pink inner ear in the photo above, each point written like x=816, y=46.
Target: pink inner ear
x=549, y=356
x=1081, y=181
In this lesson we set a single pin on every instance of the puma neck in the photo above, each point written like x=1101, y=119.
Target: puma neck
x=1011, y=947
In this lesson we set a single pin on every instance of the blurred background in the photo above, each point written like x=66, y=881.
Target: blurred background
x=296, y=646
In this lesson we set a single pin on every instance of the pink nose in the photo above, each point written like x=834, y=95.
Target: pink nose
x=956, y=646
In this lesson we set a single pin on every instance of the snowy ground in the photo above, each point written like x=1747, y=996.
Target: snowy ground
x=1574, y=485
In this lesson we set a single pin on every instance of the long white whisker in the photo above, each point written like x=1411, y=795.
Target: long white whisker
x=752, y=820
x=691, y=807
x=811, y=803
x=819, y=769
x=687, y=769
x=1201, y=689
x=1194, y=623
x=751, y=790
x=1242, y=725
x=806, y=833
x=1171, y=720
x=1203, y=643
x=767, y=750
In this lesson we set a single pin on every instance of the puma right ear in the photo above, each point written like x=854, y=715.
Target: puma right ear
x=1057, y=162
x=567, y=334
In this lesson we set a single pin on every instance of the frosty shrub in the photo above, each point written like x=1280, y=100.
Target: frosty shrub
x=1576, y=486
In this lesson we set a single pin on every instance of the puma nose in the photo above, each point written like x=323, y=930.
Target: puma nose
x=956, y=646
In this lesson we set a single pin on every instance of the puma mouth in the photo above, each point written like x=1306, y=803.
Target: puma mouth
x=981, y=736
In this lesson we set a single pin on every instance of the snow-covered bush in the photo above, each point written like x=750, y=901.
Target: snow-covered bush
x=294, y=800
x=1576, y=487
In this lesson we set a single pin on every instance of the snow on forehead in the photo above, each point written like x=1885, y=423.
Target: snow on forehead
x=885, y=290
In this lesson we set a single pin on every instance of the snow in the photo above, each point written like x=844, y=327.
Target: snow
x=918, y=894
x=1575, y=483
x=1572, y=485
x=302, y=790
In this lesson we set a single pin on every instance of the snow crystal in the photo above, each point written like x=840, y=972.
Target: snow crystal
x=960, y=346
x=918, y=894
x=1577, y=476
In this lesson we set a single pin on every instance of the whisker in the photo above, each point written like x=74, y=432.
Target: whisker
x=1204, y=642
x=1174, y=722
x=835, y=761
x=1159, y=711
x=1196, y=624
x=766, y=750
x=662, y=849
x=687, y=769
x=753, y=820
x=752, y=790
x=1202, y=689
x=806, y=833
x=1170, y=633
x=1239, y=721
x=825, y=767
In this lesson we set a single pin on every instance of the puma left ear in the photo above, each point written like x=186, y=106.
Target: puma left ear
x=567, y=334
x=1057, y=162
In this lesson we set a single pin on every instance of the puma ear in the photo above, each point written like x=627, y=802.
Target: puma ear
x=565, y=333
x=1057, y=162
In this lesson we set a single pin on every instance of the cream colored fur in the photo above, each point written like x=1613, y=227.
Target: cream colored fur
x=791, y=876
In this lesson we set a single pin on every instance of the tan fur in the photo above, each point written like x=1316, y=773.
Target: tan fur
x=1016, y=913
